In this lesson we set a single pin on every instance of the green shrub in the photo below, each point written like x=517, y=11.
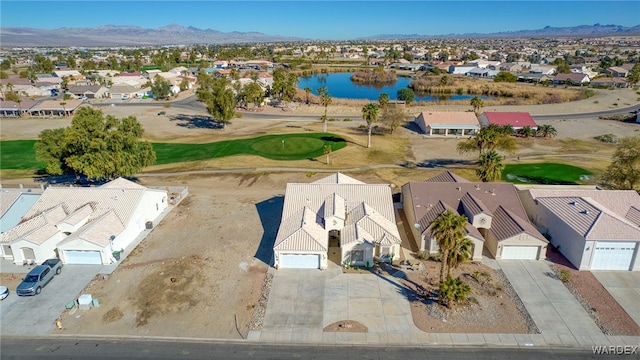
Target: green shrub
x=452, y=291
x=346, y=119
x=565, y=275
x=238, y=115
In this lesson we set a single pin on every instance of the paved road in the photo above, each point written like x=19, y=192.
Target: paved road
x=113, y=348
x=192, y=103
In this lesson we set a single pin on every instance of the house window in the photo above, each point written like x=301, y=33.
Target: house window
x=357, y=256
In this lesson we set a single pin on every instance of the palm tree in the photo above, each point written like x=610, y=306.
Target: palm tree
x=490, y=166
x=546, y=131
x=327, y=151
x=307, y=91
x=526, y=131
x=370, y=115
x=64, y=109
x=477, y=104
x=325, y=100
x=461, y=251
x=447, y=229
x=383, y=100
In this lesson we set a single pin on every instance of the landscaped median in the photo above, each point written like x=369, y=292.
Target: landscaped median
x=20, y=154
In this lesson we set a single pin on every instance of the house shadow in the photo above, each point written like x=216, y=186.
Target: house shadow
x=413, y=127
x=443, y=163
x=270, y=212
x=416, y=292
x=196, y=121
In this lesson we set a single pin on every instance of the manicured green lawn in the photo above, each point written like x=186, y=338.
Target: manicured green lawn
x=20, y=154
x=545, y=173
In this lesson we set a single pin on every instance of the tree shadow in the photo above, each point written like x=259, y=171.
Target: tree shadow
x=196, y=121
x=74, y=180
x=443, y=163
x=270, y=212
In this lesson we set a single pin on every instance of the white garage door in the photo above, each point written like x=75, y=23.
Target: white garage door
x=83, y=257
x=299, y=261
x=520, y=252
x=613, y=256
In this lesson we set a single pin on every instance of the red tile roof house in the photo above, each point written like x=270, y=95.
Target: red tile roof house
x=517, y=120
x=496, y=218
x=593, y=229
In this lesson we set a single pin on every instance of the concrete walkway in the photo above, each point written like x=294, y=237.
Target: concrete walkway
x=624, y=286
x=556, y=312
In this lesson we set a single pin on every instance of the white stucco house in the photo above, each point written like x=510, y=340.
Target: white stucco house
x=336, y=219
x=83, y=225
x=594, y=229
x=496, y=217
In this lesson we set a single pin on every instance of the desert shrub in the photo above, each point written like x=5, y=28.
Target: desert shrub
x=423, y=255
x=588, y=93
x=238, y=115
x=346, y=119
x=564, y=275
x=452, y=291
x=552, y=99
x=607, y=138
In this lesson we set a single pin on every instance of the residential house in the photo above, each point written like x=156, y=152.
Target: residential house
x=83, y=225
x=483, y=64
x=339, y=220
x=120, y=91
x=460, y=69
x=594, y=229
x=616, y=82
x=542, y=69
x=509, y=67
x=616, y=71
x=90, y=91
x=14, y=109
x=482, y=73
x=517, y=120
x=496, y=217
x=533, y=78
x=457, y=123
x=54, y=108
x=571, y=78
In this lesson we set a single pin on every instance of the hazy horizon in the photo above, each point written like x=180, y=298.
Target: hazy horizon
x=323, y=20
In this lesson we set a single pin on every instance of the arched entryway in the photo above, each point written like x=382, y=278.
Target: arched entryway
x=334, y=252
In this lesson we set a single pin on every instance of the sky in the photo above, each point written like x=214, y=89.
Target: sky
x=323, y=20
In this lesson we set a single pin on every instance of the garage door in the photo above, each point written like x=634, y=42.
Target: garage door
x=83, y=257
x=299, y=261
x=613, y=256
x=520, y=252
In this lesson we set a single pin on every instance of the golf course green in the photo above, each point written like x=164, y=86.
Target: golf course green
x=545, y=173
x=20, y=154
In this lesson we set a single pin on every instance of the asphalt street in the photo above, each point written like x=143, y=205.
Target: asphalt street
x=96, y=348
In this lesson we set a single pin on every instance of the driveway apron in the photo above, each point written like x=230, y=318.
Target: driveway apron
x=552, y=307
x=624, y=286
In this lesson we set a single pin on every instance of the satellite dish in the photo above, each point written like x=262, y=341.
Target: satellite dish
x=416, y=225
x=112, y=237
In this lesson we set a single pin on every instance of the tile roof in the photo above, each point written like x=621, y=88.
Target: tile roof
x=25, y=105
x=55, y=105
x=591, y=219
x=448, y=118
x=367, y=209
x=7, y=198
x=432, y=198
x=515, y=119
x=78, y=215
x=633, y=215
x=617, y=201
x=36, y=229
x=505, y=224
x=447, y=176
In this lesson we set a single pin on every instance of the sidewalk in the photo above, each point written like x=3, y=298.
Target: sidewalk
x=561, y=319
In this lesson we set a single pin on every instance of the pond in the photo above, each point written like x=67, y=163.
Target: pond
x=339, y=85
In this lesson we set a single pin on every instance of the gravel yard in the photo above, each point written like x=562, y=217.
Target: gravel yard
x=596, y=300
x=493, y=306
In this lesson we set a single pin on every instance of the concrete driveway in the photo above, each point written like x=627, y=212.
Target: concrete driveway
x=624, y=286
x=35, y=315
x=559, y=316
x=303, y=302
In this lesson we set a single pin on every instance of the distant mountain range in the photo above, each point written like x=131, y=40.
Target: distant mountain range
x=547, y=31
x=112, y=35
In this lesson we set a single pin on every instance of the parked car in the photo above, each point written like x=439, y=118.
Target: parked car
x=4, y=292
x=39, y=277
x=126, y=97
x=83, y=98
